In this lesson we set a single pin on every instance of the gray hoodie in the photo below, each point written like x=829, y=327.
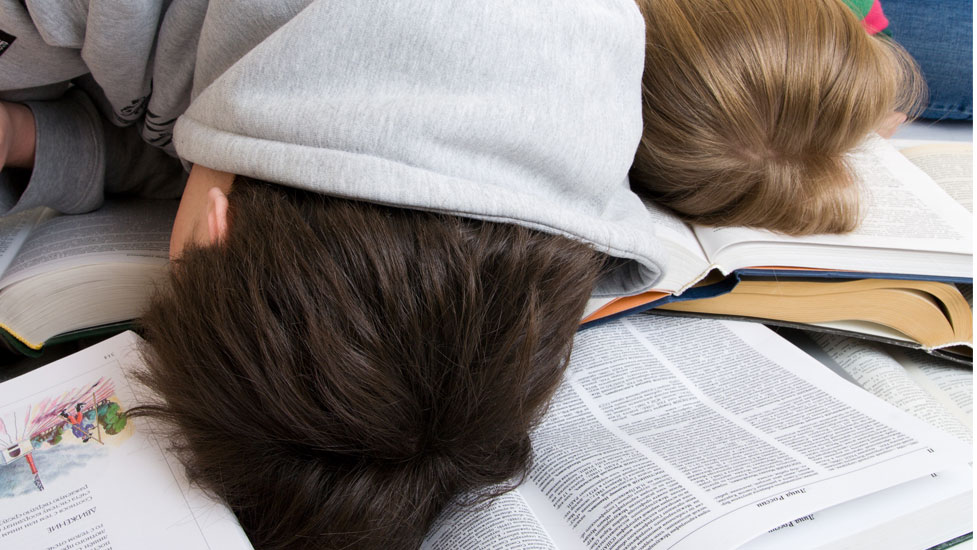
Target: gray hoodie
x=519, y=111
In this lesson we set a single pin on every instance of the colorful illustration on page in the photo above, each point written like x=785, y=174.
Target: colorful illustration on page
x=49, y=439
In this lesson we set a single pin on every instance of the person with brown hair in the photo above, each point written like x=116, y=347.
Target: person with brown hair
x=395, y=215
x=339, y=371
x=750, y=107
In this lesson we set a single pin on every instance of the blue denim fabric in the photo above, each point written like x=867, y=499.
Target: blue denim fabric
x=939, y=34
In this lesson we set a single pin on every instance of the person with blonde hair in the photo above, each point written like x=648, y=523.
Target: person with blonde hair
x=750, y=107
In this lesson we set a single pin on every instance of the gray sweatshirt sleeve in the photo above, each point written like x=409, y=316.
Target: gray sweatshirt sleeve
x=80, y=158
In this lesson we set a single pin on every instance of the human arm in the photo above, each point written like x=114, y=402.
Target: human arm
x=79, y=157
x=17, y=135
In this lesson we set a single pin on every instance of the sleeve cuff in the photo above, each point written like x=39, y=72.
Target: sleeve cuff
x=69, y=168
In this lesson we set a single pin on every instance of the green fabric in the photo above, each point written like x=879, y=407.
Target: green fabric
x=860, y=7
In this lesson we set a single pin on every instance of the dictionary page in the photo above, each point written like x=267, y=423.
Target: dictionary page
x=688, y=433
x=76, y=472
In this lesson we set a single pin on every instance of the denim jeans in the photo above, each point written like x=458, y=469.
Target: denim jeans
x=939, y=35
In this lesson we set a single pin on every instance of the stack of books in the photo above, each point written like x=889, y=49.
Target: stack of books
x=904, y=276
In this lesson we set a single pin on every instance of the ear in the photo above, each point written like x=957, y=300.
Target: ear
x=216, y=215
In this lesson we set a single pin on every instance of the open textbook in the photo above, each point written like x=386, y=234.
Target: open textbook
x=914, y=239
x=680, y=433
x=77, y=473
x=63, y=274
x=935, y=391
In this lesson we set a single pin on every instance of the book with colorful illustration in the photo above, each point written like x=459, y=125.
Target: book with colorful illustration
x=77, y=472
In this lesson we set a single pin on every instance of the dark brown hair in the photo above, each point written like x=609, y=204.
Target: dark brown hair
x=338, y=371
x=750, y=107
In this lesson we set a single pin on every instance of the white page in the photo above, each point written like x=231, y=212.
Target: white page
x=687, y=262
x=504, y=522
x=133, y=230
x=876, y=368
x=909, y=212
x=951, y=165
x=14, y=230
x=880, y=370
x=678, y=420
x=116, y=491
x=885, y=511
x=951, y=384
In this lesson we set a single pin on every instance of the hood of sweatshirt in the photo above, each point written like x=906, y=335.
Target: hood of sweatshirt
x=521, y=111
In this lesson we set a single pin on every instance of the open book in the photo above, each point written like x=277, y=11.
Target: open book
x=64, y=274
x=76, y=472
x=679, y=433
x=913, y=230
x=937, y=392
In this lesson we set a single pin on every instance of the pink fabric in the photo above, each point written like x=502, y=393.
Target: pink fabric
x=875, y=21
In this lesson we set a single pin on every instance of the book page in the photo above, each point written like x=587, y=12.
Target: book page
x=941, y=509
x=937, y=392
x=14, y=230
x=506, y=518
x=881, y=516
x=951, y=165
x=904, y=210
x=687, y=262
x=951, y=384
x=76, y=472
x=689, y=433
x=122, y=230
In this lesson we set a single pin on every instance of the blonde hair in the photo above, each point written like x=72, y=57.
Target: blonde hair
x=749, y=107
